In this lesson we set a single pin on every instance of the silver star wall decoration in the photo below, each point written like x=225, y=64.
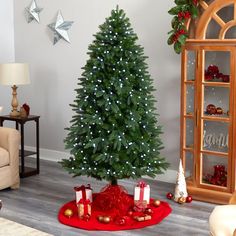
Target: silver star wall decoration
x=33, y=12
x=60, y=28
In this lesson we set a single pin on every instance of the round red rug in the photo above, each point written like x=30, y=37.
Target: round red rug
x=159, y=213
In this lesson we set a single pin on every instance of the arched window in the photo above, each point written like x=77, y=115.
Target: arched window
x=217, y=20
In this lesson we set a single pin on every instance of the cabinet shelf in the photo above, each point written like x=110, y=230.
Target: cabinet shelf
x=217, y=84
x=190, y=82
x=188, y=149
x=189, y=116
x=215, y=153
x=215, y=118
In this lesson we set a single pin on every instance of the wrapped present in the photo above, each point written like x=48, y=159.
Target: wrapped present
x=84, y=209
x=83, y=192
x=140, y=206
x=143, y=218
x=142, y=192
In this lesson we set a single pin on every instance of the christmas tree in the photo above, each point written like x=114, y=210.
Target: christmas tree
x=114, y=133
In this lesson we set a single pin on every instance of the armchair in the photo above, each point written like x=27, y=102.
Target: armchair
x=222, y=220
x=9, y=158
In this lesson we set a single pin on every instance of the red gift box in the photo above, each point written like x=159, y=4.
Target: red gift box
x=84, y=208
x=142, y=192
x=83, y=192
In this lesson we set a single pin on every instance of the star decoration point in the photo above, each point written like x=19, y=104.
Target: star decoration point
x=33, y=12
x=60, y=28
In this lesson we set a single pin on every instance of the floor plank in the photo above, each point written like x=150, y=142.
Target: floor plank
x=39, y=198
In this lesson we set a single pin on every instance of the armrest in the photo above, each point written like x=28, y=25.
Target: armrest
x=10, y=140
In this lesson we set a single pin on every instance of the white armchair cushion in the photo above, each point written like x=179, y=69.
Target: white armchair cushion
x=222, y=220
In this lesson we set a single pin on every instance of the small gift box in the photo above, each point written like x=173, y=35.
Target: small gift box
x=84, y=209
x=83, y=192
x=140, y=206
x=142, y=192
x=142, y=218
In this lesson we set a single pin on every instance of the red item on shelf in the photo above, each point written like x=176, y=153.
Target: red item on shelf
x=219, y=177
x=27, y=108
x=211, y=109
x=225, y=78
x=208, y=77
x=213, y=70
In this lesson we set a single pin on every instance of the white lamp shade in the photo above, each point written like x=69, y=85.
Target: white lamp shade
x=14, y=74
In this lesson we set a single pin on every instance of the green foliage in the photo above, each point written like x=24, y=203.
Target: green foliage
x=183, y=11
x=114, y=133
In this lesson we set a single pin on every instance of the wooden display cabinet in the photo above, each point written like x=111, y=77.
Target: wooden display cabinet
x=208, y=103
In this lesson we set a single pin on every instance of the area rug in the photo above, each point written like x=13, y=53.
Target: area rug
x=10, y=228
x=159, y=213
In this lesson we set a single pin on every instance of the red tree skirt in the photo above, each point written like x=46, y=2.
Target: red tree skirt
x=159, y=213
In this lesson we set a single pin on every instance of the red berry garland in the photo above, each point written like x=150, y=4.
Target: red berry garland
x=182, y=12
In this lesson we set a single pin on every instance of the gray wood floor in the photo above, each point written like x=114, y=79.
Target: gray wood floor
x=39, y=198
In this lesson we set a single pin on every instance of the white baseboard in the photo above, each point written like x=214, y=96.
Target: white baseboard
x=52, y=155
x=169, y=176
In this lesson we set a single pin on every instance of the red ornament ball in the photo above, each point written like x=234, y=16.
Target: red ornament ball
x=148, y=211
x=121, y=221
x=189, y=199
x=211, y=109
x=169, y=195
x=225, y=78
x=130, y=213
x=86, y=217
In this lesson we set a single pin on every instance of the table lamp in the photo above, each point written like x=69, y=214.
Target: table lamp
x=14, y=74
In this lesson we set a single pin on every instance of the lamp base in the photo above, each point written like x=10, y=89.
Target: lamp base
x=14, y=102
x=15, y=113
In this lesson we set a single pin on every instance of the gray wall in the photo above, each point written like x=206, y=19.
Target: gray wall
x=7, y=51
x=55, y=69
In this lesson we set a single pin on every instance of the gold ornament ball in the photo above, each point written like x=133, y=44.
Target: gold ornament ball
x=100, y=218
x=68, y=213
x=219, y=111
x=157, y=203
x=106, y=219
x=181, y=200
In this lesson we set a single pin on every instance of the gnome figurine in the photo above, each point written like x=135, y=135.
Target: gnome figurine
x=180, y=187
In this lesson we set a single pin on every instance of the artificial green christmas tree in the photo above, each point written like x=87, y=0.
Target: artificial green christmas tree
x=114, y=133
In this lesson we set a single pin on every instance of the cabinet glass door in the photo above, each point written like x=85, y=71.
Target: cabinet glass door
x=215, y=122
x=188, y=124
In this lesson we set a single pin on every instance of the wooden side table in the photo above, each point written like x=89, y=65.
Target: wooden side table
x=25, y=171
